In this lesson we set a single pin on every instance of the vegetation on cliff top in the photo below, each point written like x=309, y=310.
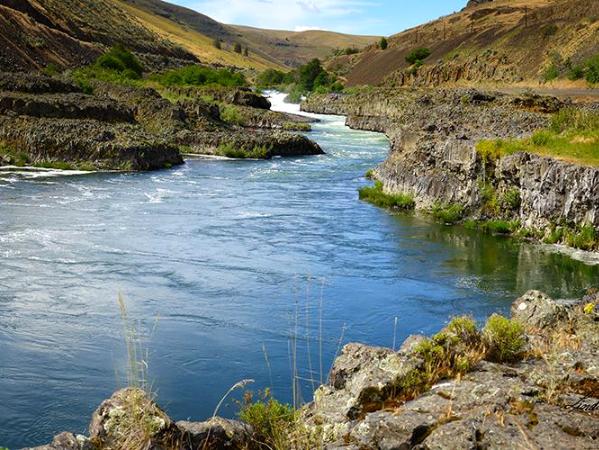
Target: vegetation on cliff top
x=572, y=136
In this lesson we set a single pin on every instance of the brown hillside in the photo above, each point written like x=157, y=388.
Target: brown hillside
x=502, y=40
x=35, y=33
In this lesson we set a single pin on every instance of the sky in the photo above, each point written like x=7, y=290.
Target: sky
x=370, y=17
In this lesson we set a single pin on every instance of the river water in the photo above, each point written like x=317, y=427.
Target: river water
x=221, y=263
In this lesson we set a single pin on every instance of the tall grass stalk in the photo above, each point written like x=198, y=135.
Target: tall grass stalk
x=267, y=364
x=320, y=331
x=137, y=365
x=308, y=345
x=394, y=331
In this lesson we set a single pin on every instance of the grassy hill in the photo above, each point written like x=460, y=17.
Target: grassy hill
x=36, y=33
x=501, y=40
x=281, y=48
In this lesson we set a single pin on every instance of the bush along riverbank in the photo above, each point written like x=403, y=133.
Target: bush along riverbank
x=522, y=165
x=112, y=115
x=531, y=381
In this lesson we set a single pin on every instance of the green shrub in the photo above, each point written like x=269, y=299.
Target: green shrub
x=376, y=196
x=584, y=237
x=271, y=420
x=555, y=235
x=419, y=54
x=231, y=114
x=511, y=200
x=383, y=43
x=448, y=214
x=592, y=70
x=576, y=73
x=551, y=73
x=201, y=76
x=501, y=226
x=13, y=156
x=273, y=78
x=550, y=30
x=230, y=151
x=541, y=137
x=51, y=70
x=120, y=60
x=217, y=43
x=237, y=48
x=504, y=338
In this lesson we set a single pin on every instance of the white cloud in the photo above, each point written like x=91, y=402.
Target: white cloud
x=283, y=14
x=300, y=28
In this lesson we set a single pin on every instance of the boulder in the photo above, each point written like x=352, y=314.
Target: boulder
x=537, y=310
x=130, y=419
x=217, y=434
x=245, y=97
x=65, y=441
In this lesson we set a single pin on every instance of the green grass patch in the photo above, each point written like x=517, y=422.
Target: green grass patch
x=447, y=213
x=572, y=136
x=296, y=126
x=584, y=237
x=231, y=114
x=11, y=156
x=270, y=419
x=376, y=196
x=231, y=151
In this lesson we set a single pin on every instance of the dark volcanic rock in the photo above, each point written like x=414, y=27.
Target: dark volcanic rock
x=276, y=143
x=65, y=106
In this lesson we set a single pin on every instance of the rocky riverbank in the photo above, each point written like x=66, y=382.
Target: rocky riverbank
x=531, y=382
x=52, y=122
x=434, y=157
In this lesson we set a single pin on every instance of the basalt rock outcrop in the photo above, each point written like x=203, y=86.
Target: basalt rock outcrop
x=549, y=399
x=51, y=122
x=434, y=159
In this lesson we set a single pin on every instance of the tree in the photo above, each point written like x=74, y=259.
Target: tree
x=217, y=44
x=237, y=47
x=308, y=74
x=383, y=44
x=246, y=52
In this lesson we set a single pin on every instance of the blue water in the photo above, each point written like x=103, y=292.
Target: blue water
x=220, y=262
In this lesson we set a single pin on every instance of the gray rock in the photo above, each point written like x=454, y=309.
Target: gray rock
x=217, y=434
x=537, y=310
x=63, y=441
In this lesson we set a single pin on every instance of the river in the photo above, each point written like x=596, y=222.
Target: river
x=220, y=264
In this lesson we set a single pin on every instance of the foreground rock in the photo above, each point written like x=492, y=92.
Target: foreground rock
x=547, y=396
x=434, y=158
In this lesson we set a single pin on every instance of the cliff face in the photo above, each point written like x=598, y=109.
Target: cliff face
x=434, y=158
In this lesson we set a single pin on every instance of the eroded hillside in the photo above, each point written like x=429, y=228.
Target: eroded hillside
x=503, y=40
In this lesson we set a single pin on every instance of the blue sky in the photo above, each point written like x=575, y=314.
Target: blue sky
x=376, y=17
